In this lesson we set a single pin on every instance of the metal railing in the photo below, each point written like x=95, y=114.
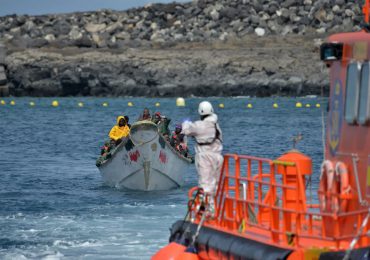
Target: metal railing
x=255, y=200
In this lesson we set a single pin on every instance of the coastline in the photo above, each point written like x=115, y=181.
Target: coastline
x=202, y=48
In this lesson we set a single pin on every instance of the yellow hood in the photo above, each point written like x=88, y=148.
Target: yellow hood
x=119, y=118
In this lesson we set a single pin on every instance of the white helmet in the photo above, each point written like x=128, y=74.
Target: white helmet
x=205, y=108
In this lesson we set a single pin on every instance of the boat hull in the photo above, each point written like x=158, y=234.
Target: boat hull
x=216, y=244
x=145, y=161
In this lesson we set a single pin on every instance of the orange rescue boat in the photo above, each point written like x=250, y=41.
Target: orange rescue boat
x=262, y=205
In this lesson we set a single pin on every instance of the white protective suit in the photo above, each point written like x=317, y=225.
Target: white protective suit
x=208, y=158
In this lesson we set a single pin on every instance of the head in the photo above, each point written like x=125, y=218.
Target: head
x=126, y=118
x=146, y=112
x=178, y=128
x=157, y=115
x=121, y=121
x=205, y=109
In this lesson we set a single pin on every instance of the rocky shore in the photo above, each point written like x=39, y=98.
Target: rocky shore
x=201, y=48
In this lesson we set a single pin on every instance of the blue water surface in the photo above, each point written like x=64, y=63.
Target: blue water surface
x=53, y=202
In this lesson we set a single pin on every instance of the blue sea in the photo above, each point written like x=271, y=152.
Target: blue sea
x=54, y=204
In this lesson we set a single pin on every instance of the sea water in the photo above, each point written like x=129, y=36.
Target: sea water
x=53, y=203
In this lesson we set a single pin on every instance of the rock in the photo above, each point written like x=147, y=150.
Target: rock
x=260, y=31
x=223, y=36
x=349, y=13
x=336, y=9
x=288, y=3
x=123, y=36
x=94, y=28
x=50, y=37
x=215, y=15
x=113, y=28
x=320, y=15
x=28, y=26
x=154, y=26
x=84, y=42
x=321, y=30
x=75, y=33
x=99, y=40
x=61, y=27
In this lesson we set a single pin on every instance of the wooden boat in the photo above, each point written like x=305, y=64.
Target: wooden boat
x=263, y=210
x=144, y=161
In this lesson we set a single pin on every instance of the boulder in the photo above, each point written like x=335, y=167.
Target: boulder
x=94, y=28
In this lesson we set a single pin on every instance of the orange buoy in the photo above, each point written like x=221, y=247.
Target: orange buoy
x=343, y=189
x=326, y=186
x=172, y=251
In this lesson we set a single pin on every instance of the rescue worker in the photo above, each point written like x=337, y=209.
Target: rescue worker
x=208, y=148
x=120, y=130
x=145, y=115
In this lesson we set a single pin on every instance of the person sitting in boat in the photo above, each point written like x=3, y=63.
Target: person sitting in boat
x=119, y=131
x=127, y=119
x=208, y=148
x=162, y=122
x=182, y=147
x=104, y=151
x=145, y=115
x=156, y=119
x=176, y=135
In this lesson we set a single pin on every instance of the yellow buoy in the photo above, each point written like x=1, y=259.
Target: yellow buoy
x=32, y=104
x=249, y=106
x=157, y=104
x=80, y=104
x=2, y=102
x=308, y=105
x=55, y=103
x=105, y=104
x=12, y=102
x=130, y=104
x=298, y=104
x=318, y=105
x=180, y=102
x=221, y=105
x=275, y=105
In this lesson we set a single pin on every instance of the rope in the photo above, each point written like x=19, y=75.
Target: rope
x=199, y=227
x=357, y=237
x=188, y=212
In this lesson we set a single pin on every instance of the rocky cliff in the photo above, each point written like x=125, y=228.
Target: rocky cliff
x=223, y=47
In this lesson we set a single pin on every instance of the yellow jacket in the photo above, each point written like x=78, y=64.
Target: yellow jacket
x=118, y=132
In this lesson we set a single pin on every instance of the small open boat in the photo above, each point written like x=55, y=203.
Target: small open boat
x=144, y=161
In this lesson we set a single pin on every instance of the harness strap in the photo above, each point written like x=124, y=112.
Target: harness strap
x=217, y=136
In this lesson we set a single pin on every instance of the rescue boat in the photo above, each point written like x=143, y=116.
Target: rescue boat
x=263, y=206
x=144, y=161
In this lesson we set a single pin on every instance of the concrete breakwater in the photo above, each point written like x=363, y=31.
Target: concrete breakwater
x=234, y=47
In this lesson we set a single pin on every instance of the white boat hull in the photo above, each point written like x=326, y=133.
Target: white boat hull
x=145, y=162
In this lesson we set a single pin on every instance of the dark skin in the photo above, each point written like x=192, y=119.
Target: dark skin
x=146, y=112
x=122, y=122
